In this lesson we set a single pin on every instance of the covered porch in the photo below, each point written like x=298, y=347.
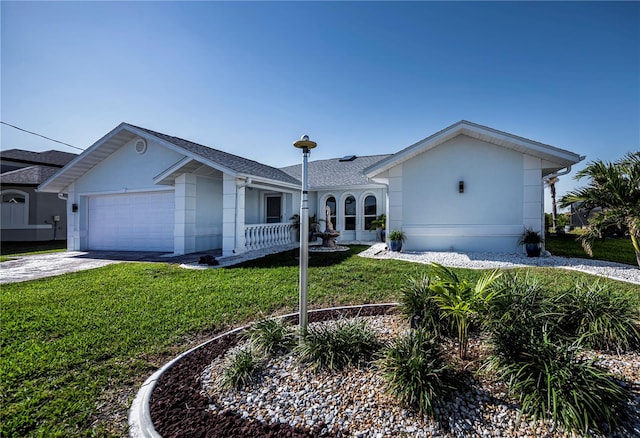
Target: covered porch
x=256, y=215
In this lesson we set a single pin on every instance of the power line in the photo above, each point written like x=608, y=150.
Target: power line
x=40, y=135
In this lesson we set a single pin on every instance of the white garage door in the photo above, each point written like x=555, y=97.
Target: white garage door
x=131, y=222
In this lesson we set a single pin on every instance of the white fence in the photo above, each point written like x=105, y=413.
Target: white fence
x=257, y=236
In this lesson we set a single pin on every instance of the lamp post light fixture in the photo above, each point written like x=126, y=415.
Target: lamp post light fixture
x=306, y=145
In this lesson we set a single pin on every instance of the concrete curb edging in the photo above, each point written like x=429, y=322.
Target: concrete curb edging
x=140, y=423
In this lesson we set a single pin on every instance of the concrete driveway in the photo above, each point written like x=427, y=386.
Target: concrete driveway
x=31, y=267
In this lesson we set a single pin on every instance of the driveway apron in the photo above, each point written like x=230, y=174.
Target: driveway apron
x=32, y=267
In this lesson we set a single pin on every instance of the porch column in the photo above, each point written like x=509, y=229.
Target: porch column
x=185, y=214
x=233, y=205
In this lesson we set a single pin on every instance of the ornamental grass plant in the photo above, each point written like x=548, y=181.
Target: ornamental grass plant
x=243, y=368
x=338, y=345
x=552, y=381
x=538, y=340
x=604, y=318
x=272, y=336
x=416, y=373
x=418, y=305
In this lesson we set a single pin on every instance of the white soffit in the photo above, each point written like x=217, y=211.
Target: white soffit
x=77, y=167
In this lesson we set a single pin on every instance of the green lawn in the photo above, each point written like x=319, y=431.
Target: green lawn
x=614, y=249
x=75, y=348
x=8, y=249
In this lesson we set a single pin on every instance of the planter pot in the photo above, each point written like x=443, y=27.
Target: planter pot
x=533, y=249
x=395, y=245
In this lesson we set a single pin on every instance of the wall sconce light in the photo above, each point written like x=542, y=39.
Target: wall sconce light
x=461, y=186
x=74, y=208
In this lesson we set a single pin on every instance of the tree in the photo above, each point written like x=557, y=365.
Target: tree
x=615, y=187
x=551, y=182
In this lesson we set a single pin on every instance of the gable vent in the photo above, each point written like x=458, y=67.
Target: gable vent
x=348, y=158
x=141, y=146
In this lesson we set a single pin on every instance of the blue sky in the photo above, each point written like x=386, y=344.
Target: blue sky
x=359, y=77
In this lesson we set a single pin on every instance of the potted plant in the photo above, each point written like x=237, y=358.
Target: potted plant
x=396, y=238
x=379, y=224
x=314, y=226
x=531, y=239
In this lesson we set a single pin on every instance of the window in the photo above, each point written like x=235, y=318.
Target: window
x=370, y=210
x=274, y=209
x=15, y=208
x=331, y=203
x=350, y=213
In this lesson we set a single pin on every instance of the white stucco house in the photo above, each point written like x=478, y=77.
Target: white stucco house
x=467, y=187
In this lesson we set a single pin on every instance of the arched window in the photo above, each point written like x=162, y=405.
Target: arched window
x=331, y=203
x=15, y=208
x=370, y=210
x=350, y=213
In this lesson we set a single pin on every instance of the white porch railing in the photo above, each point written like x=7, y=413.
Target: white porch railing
x=257, y=236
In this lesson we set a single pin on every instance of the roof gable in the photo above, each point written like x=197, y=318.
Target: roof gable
x=229, y=161
x=123, y=133
x=558, y=158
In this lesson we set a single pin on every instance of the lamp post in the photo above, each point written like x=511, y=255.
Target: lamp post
x=306, y=145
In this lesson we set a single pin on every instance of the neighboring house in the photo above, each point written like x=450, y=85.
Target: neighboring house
x=28, y=215
x=580, y=216
x=467, y=187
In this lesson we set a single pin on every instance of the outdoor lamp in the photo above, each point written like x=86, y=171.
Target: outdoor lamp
x=306, y=145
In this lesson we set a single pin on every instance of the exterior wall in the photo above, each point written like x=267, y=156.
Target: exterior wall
x=127, y=171
x=208, y=233
x=253, y=214
x=341, y=195
x=499, y=197
x=43, y=208
x=123, y=171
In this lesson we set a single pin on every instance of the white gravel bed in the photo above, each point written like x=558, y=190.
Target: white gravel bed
x=353, y=402
x=486, y=260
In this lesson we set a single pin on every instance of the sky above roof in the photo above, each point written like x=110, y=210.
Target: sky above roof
x=361, y=78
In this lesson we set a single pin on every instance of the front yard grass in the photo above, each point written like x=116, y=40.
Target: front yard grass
x=75, y=348
x=10, y=249
x=611, y=249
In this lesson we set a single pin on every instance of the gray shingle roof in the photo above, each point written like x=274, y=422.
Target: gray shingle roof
x=51, y=158
x=32, y=175
x=233, y=162
x=336, y=173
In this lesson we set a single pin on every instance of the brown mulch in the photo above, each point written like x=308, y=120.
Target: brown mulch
x=178, y=409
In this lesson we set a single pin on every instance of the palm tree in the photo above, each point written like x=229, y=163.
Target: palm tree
x=551, y=182
x=615, y=187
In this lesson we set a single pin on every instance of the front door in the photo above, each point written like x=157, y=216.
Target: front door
x=274, y=209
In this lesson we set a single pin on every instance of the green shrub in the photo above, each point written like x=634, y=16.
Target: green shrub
x=415, y=372
x=418, y=305
x=243, y=368
x=605, y=319
x=335, y=346
x=272, y=336
x=462, y=301
x=519, y=308
x=552, y=382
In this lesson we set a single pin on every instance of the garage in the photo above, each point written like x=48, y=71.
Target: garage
x=131, y=222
